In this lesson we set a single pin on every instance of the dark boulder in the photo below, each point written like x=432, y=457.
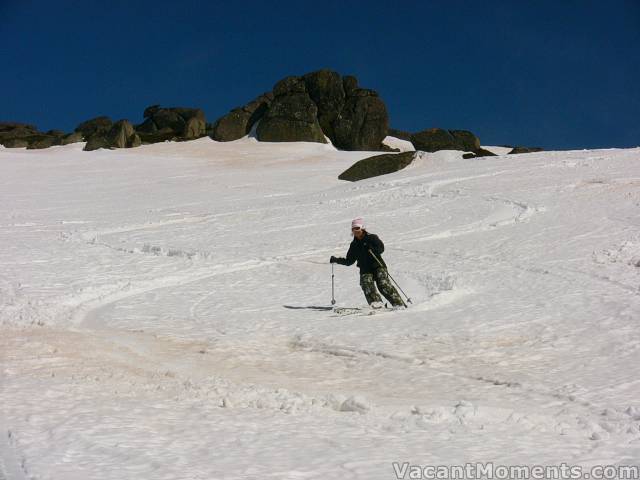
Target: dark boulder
x=95, y=142
x=195, y=125
x=257, y=108
x=150, y=111
x=239, y=121
x=434, y=139
x=288, y=85
x=291, y=118
x=166, y=135
x=168, y=118
x=349, y=84
x=120, y=135
x=14, y=126
x=518, y=150
x=363, y=122
x=20, y=135
x=377, y=165
x=292, y=115
x=134, y=141
x=233, y=126
x=148, y=126
x=15, y=143
x=189, y=113
x=15, y=135
x=325, y=88
x=310, y=108
x=481, y=152
x=37, y=142
x=94, y=126
x=195, y=128
x=466, y=140
x=182, y=123
x=74, y=137
x=55, y=133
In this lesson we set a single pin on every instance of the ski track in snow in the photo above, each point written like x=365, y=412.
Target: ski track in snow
x=144, y=331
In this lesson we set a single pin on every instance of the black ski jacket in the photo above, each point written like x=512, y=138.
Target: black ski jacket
x=359, y=252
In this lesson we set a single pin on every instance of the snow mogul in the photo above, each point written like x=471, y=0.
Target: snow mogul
x=366, y=249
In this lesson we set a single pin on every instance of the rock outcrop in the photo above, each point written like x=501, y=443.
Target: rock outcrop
x=15, y=130
x=15, y=143
x=435, y=139
x=120, y=135
x=517, y=150
x=466, y=140
x=363, y=122
x=40, y=141
x=310, y=108
x=292, y=115
x=239, y=121
x=377, y=165
x=98, y=125
x=314, y=107
x=325, y=88
x=481, y=152
x=74, y=137
x=22, y=135
x=177, y=123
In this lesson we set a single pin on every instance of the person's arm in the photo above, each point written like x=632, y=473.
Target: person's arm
x=375, y=244
x=349, y=260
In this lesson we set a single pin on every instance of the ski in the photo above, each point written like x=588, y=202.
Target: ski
x=340, y=311
x=363, y=311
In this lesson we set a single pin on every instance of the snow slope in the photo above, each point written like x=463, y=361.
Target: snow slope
x=155, y=320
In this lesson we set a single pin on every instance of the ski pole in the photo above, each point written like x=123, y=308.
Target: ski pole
x=333, y=299
x=392, y=279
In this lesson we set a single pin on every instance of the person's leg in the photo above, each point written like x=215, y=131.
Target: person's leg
x=367, y=283
x=388, y=290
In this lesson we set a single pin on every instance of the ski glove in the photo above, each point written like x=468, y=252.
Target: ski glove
x=333, y=259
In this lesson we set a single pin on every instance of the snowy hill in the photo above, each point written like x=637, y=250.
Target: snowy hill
x=154, y=320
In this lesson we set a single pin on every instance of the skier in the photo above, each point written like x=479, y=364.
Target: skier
x=367, y=249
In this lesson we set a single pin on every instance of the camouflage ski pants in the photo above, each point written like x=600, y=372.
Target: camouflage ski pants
x=368, y=283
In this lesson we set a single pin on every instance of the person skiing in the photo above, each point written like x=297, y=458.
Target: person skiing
x=366, y=249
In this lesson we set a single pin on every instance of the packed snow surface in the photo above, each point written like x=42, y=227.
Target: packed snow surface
x=157, y=320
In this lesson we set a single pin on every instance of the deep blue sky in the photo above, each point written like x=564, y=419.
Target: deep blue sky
x=557, y=74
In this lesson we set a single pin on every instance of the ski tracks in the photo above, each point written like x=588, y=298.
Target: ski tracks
x=12, y=467
x=559, y=410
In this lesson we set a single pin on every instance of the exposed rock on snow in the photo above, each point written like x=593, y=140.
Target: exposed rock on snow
x=239, y=121
x=120, y=135
x=309, y=108
x=517, y=150
x=377, y=165
x=176, y=123
x=94, y=126
x=325, y=87
x=435, y=139
x=292, y=116
x=319, y=106
x=21, y=135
